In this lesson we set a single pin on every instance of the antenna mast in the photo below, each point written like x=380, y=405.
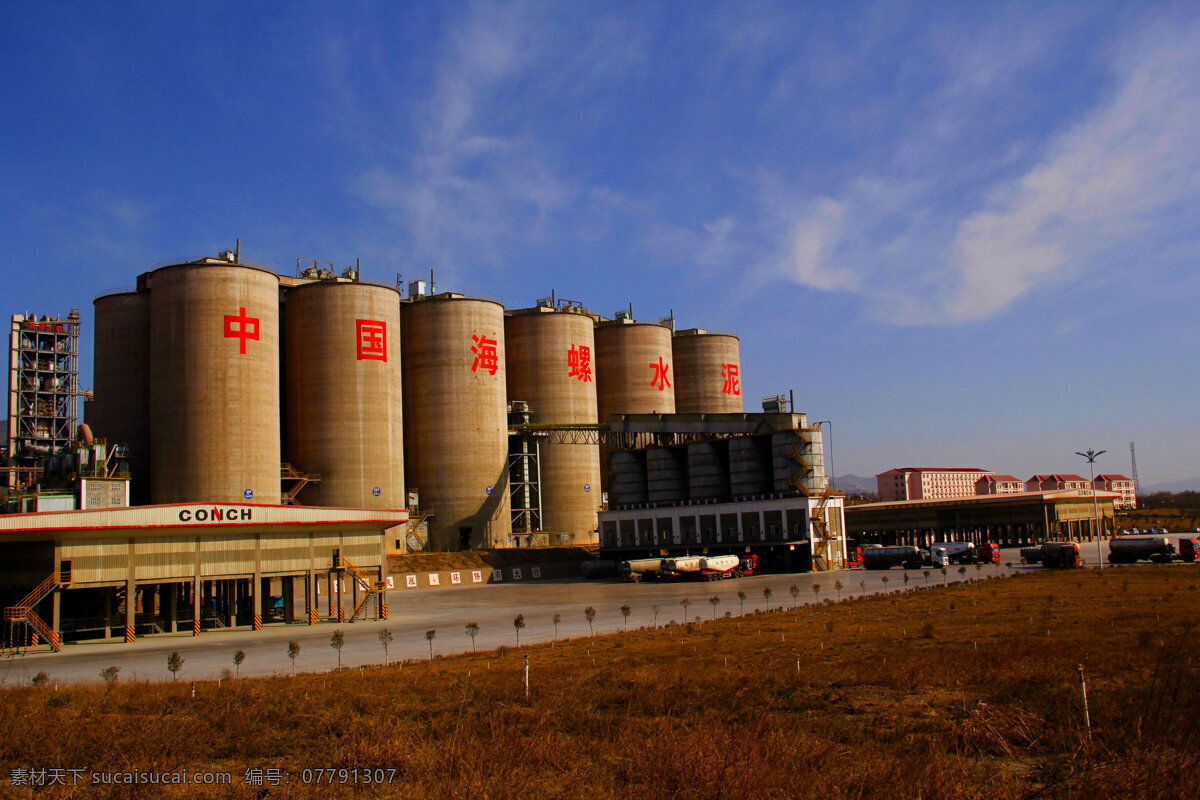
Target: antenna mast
x=1137, y=486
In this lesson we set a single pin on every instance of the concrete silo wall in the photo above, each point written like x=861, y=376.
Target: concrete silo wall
x=634, y=374
x=214, y=393
x=343, y=393
x=708, y=369
x=120, y=408
x=551, y=365
x=455, y=419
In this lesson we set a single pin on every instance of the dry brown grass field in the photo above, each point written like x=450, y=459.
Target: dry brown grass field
x=968, y=691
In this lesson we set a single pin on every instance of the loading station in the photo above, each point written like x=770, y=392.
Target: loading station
x=1007, y=519
x=125, y=572
x=780, y=529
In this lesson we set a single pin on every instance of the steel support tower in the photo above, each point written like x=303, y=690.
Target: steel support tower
x=43, y=384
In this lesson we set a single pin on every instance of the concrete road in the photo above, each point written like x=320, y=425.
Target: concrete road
x=447, y=610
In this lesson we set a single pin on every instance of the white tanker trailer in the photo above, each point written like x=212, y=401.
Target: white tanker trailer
x=680, y=567
x=637, y=569
x=715, y=568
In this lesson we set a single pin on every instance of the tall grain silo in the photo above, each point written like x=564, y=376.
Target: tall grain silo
x=119, y=411
x=550, y=365
x=708, y=373
x=343, y=393
x=455, y=419
x=634, y=373
x=214, y=397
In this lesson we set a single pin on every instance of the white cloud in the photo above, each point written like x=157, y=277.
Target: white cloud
x=1115, y=180
x=482, y=182
x=1110, y=186
x=814, y=240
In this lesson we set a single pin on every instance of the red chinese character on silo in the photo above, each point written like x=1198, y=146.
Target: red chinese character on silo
x=732, y=384
x=580, y=361
x=485, y=354
x=660, y=378
x=247, y=328
x=371, y=335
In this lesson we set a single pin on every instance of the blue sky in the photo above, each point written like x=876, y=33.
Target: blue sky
x=966, y=233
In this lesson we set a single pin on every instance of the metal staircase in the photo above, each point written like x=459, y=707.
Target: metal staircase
x=370, y=586
x=298, y=480
x=24, y=610
x=801, y=454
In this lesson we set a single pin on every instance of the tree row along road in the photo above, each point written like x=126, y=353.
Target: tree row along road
x=448, y=610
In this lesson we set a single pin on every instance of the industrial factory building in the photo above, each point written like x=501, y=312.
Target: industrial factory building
x=350, y=421
x=125, y=572
x=223, y=379
x=722, y=484
x=1006, y=519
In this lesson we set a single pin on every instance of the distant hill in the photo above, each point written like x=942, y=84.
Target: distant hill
x=855, y=484
x=1190, y=485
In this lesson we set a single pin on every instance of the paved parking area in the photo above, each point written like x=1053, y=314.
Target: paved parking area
x=447, y=610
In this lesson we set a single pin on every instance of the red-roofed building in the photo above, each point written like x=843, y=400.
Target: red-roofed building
x=1055, y=482
x=999, y=484
x=927, y=483
x=1121, y=485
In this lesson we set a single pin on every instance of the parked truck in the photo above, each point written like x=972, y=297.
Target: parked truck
x=1064, y=555
x=957, y=552
x=1032, y=554
x=715, y=568
x=892, y=556
x=1128, y=549
x=640, y=569
x=1188, y=549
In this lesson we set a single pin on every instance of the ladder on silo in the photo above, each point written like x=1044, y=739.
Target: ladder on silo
x=24, y=611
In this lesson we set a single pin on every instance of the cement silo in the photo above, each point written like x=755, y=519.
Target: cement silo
x=666, y=474
x=708, y=470
x=455, y=419
x=707, y=372
x=633, y=369
x=343, y=394
x=120, y=407
x=550, y=365
x=214, y=397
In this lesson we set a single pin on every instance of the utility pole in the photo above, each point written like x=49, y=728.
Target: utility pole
x=1091, y=456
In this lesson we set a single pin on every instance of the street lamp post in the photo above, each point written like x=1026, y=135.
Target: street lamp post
x=832, y=474
x=1091, y=456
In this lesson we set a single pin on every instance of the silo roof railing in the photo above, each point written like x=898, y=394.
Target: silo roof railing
x=210, y=260
x=117, y=290
x=707, y=332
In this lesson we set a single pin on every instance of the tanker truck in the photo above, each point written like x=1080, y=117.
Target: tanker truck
x=1064, y=555
x=1128, y=549
x=680, y=567
x=1188, y=549
x=1032, y=555
x=715, y=568
x=957, y=552
x=640, y=569
x=888, y=557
